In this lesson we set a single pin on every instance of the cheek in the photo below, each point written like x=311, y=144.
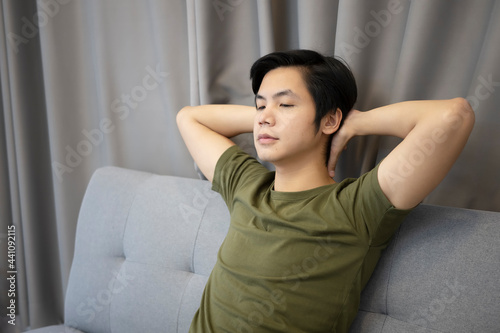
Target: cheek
x=286, y=121
x=256, y=124
x=299, y=128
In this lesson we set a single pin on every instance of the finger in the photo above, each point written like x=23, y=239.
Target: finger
x=332, y=162
x=331, y=167
x=338, y=145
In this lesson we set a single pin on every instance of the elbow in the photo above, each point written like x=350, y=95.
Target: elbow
x=465, y=109
x=460, y=115
x=183, y=115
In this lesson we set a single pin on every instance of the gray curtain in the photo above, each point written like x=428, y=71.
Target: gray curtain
x=88, y=83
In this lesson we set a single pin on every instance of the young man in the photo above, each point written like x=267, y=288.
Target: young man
x=301, y=247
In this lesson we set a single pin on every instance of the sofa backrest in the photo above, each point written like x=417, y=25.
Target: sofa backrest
x=146, y=244
x=441, y=273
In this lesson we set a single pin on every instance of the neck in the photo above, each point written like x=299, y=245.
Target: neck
x=301, y=178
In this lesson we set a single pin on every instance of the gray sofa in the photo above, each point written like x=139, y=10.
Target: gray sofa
x=145, y=245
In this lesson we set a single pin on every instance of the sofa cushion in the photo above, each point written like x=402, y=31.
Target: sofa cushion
x=145, y=246
x=441, y=273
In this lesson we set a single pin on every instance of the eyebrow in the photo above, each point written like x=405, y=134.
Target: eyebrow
x=286, y=92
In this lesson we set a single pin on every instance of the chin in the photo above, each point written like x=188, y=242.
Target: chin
x=269, y=158
x=264, y=157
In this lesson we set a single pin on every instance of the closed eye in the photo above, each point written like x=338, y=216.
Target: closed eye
x=286, y=105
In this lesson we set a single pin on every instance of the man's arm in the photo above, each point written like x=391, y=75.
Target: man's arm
x=206, y=130
x=434, y=133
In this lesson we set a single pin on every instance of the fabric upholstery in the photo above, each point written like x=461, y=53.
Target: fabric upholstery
x=145, y=246
x=442, y=272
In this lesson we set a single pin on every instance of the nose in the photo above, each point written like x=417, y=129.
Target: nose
x=266, y=117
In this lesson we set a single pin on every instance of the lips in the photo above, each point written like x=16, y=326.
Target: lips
x=266, y=138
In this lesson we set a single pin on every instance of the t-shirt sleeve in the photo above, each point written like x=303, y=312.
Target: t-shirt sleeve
x=233, y=169
x=370, y=210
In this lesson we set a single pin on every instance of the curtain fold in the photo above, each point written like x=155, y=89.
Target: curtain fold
x=39, y=287
x=264, y=25
x=92, y=83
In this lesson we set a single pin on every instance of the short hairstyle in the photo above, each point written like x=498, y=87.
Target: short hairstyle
x=328, y=79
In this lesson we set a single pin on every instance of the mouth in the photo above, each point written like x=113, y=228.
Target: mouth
x=266, y=139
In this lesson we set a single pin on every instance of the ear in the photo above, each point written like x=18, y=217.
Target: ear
x=331, y=122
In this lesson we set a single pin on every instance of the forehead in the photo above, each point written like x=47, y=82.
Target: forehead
x=282, y=79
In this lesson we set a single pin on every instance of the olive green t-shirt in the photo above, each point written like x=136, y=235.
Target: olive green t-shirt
x=292, y=261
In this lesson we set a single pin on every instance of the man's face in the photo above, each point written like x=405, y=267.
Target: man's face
x=284, y=129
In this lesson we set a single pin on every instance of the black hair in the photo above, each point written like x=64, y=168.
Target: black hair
x=328, y=79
